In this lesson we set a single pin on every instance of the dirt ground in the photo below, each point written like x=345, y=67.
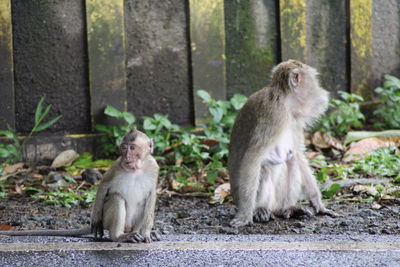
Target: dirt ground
x=190, y=215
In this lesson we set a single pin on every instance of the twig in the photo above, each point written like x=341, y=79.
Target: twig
x=351, y=182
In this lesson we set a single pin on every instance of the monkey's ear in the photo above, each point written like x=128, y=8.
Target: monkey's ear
x=151, y=144
x=295, y=78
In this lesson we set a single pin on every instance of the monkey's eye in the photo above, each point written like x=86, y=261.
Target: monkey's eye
x=132, y=147
x=124, y=146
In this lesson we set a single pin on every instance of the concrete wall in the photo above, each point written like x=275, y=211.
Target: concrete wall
x=50, y=59
x=50, y=53
x=157, y=47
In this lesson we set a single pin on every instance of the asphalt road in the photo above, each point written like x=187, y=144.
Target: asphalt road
x=206, y=250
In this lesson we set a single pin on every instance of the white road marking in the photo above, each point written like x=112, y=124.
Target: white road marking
x=213, y=245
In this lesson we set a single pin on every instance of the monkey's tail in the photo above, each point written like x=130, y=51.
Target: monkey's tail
x=71, y=232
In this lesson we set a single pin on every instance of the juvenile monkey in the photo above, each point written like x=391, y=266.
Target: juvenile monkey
x=268, y=171
x=125, y=199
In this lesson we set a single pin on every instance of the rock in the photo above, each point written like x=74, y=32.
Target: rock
x=64, y=159
x=54, y=177
x=376, y=206
x=299, y=225
x=229, y=231
x=59, y=183
x=91, y=176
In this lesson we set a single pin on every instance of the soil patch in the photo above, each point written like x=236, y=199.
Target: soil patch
x=183, y=215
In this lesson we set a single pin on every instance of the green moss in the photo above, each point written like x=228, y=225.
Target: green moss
x=246, y=57
x=293, y=29
x=361, y=45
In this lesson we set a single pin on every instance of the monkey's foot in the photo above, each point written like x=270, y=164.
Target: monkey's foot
x=328, y=212
x=133, y=237
x=296, y=211
x=262, y=215
x=155, y=236
x=240, y=220
x=97, y=229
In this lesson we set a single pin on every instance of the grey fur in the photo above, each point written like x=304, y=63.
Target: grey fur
x=268, y=170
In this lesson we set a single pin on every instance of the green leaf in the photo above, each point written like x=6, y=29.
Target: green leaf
x=333, y=190
x=12, y=149
x=44, y=114
x=47, y=124
x=102, y=128
x=149, y=125
x=4, y=153
x=8, y=134
x=217, y=113
x=38, y=111
x=212, y=176
x=204, y=95
x=238, y=101
x=112, y=112
x=128, y=117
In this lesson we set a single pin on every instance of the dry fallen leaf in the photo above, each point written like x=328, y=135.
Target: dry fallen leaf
x=209, y=142
x=370, y=190
x=18, y=188
x=193, y=187
x=365, y=147
x=312, y=155
x=13, y=168
x=307, y=138
x=6, y=227
x=220, y=193
x=325, y=140
x=175, y=185
x=65, y=158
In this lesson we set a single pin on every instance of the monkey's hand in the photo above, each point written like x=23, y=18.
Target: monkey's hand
x=97, y=229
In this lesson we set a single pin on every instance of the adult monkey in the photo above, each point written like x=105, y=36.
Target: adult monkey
x=268, y=171
x=125, y=199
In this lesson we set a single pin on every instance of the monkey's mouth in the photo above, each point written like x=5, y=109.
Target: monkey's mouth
x=133, y=164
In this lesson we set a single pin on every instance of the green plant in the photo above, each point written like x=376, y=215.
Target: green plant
x=10, y=152
x=67, y=197
x=219, y=125
x=331, y=191
x=13, y=152
x=343, y=115
x=85, y=161
x=114, y=134
x=187, y=152
x=390, y=98
x=382, y=162
x=161, y=130
x=3, y=194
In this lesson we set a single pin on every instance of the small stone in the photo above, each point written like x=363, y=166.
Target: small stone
x=229, y=231
x=91, y=176
x=59, y=183
x=53, y=177
x=295, y=230
x=376, y=206
x=65, y=158
x=299, y=224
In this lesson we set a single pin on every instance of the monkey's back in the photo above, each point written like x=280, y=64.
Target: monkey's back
x=256, y=125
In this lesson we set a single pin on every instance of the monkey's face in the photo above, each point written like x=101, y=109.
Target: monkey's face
x=134, y=152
